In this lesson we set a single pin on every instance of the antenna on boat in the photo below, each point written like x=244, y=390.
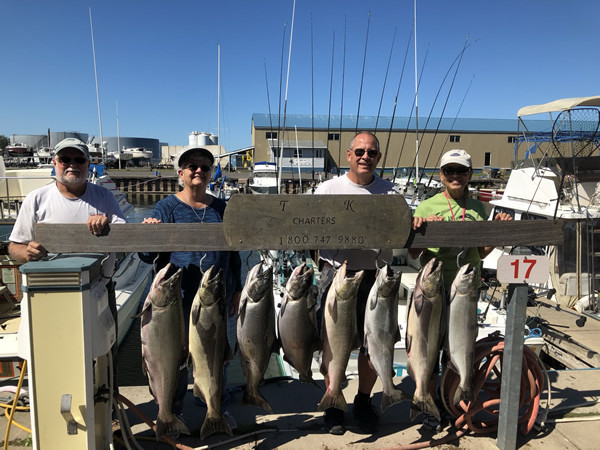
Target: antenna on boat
x=97, y=90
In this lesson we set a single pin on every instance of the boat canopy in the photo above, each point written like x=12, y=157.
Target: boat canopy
x=559, y=105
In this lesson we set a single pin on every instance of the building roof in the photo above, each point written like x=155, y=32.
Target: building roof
x=305, y=121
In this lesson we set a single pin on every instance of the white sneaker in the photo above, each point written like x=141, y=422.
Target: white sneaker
x=230, y=420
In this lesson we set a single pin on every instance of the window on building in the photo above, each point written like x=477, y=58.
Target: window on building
x=271, y=134
x=333, y=137
x=511, y=139
x=487, y=159
x=454, y=138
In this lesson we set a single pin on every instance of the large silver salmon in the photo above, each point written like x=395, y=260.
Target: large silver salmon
x=424, y=335
x=256, y=331
x=339, y=335
x=462, y=327
x=297, y=322
x=382, y=332
x=164, y=348
x=209, y=348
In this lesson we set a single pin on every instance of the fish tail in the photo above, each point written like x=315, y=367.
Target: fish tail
x=466, y=394
x=332, y=400
x=213, y=425
x=397, y=396
x=308, y=379
x=256, y=398
x=424, y=404
x=175, y=426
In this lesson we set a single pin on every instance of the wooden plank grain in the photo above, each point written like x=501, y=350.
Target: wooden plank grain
x=72, y=238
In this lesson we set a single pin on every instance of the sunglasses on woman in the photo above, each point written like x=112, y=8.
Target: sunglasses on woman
x=194, y=167
x=359, y=152
x=67, y=159
x=448, y=171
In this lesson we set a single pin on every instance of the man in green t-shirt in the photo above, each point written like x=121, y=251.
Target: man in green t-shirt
x=452, y=204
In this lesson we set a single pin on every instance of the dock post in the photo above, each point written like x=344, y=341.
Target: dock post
x=510, y=389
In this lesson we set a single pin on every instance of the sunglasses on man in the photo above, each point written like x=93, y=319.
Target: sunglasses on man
x=449, y=171
x=67, y=159
x=194, y=167
x=359, y=152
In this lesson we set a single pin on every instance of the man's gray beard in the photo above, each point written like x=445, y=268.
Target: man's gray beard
x=80, y=180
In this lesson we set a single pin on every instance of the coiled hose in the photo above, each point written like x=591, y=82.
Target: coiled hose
x=481, y=414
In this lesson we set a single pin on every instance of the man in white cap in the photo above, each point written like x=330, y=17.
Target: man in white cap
x=71, y=199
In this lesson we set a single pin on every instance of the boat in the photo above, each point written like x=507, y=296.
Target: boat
x=19, y=150
x=264, y=178
x=558, y=177
x=139, y=156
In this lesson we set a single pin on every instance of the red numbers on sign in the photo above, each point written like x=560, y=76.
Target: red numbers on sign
x=530, y=262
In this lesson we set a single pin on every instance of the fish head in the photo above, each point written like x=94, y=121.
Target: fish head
x=166, y=286
x=259, y=281
x=212, y=286
x=431, y=278
x=346, y=284
x=300, y=280
x=388, y=282
x=465, y=281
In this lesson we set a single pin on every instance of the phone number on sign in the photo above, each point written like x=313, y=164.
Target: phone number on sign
x=322, y=239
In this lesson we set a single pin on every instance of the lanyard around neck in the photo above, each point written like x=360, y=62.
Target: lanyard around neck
x=450, y=207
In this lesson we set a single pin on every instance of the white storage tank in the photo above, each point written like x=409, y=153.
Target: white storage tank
x=199, y=139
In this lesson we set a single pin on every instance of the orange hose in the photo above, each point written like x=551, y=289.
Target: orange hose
x=481, y=414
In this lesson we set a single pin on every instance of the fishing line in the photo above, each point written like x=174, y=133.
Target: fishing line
x=395, y=106
x=445, y=105
x=268, y=103
x=385, y=79
x=312, y=93
x=280, y=82
x=330, y=91
x=363, y=71
x=342, y=102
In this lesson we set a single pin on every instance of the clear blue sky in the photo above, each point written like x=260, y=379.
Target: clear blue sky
x=158, y=60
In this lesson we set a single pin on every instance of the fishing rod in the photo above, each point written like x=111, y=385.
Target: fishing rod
x=451, y=128
x=395, y=100
x=385, y=79
x=330, y=91
x=445, y=105
x=287, y=82
x=97, y=89
x=280, y=90
x=268, y=101
x=342, y=103
x=411, y=112
x=415, y=161
x=362, y=76
x=312, y=93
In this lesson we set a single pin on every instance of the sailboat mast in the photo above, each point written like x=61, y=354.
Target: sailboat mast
x=97, y=90
x=416, y=100
x=118, y=135
x=219, y=96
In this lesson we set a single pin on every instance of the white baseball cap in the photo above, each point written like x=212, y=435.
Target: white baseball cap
x=73, y=143
x=456, y=156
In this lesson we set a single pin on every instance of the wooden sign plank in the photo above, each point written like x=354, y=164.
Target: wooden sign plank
x=304, y=222
x=132, y=237
x=496, y=233
x=72, y=238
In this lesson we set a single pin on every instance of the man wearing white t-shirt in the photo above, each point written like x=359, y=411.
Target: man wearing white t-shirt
x=71, y=199
x=363, y=156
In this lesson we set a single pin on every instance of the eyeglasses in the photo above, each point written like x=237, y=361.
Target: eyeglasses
x=194, y=167
x=67, y=159
x=449, y=171
x=359, y=152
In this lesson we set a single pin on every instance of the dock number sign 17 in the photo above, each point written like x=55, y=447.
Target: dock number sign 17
x=523, y=269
